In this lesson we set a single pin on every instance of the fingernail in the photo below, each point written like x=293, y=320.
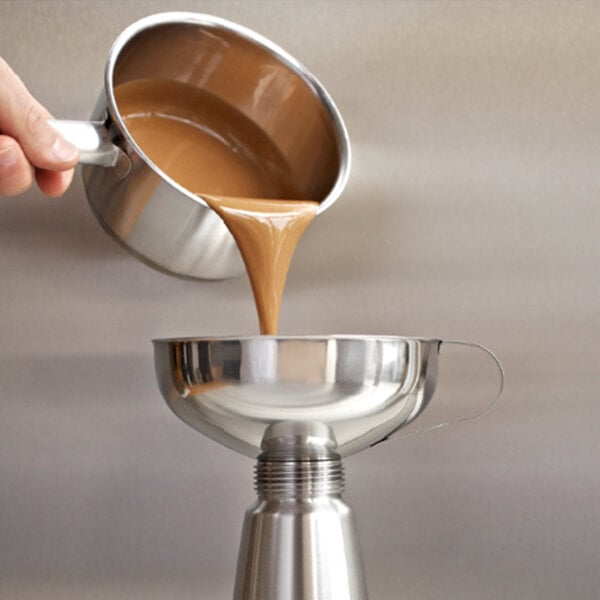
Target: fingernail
x=63, y=151
x=8, y=156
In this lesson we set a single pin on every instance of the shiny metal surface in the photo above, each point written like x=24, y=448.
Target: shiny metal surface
x=92, y=140
x=158, y=220
x=299, y=404
x=299, y=539
x=316, y=393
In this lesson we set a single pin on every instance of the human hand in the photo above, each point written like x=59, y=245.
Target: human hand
x=29, y=147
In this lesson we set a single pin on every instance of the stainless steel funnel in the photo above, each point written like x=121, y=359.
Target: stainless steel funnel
x=235, y=390
x=298, y=404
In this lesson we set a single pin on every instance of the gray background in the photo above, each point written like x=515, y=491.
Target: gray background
x=472, y=212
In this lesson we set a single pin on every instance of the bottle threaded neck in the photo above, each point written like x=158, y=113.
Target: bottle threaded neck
x=298, y=479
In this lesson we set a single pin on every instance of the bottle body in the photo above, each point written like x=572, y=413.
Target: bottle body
x=299, y=541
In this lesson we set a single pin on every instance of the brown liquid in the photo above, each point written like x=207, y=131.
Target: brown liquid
x=215, y=151
x=266, y=232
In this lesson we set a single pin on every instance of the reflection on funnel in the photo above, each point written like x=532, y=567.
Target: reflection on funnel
x=299, y=439
x=362, y=388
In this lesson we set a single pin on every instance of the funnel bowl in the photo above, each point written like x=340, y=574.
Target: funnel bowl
x=343, y=393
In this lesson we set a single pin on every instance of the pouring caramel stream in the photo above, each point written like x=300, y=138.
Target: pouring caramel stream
x=266, y=232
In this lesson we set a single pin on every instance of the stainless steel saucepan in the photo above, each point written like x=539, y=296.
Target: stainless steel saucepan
x=154, y=217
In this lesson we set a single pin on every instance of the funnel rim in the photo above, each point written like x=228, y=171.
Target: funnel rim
x=312, y=337
x=362, y=387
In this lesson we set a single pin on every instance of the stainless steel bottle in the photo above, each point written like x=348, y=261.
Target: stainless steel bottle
x=299, y=540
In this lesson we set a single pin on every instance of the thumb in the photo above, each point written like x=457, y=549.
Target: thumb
x=25, y=119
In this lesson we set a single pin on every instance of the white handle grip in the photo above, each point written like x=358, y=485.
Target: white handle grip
x=92, y=140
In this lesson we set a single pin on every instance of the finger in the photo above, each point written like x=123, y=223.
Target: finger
x=54, y=183
x=25, y=119
x=16, y=172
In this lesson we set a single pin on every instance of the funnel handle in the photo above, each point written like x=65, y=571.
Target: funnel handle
x=497, y=363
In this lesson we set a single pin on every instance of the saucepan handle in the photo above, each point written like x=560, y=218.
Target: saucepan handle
x=93, y=141
x=465, y=384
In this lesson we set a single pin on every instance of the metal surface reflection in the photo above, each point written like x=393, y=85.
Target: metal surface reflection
x=298, y=404
x=361, y=388
x=157, y=219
